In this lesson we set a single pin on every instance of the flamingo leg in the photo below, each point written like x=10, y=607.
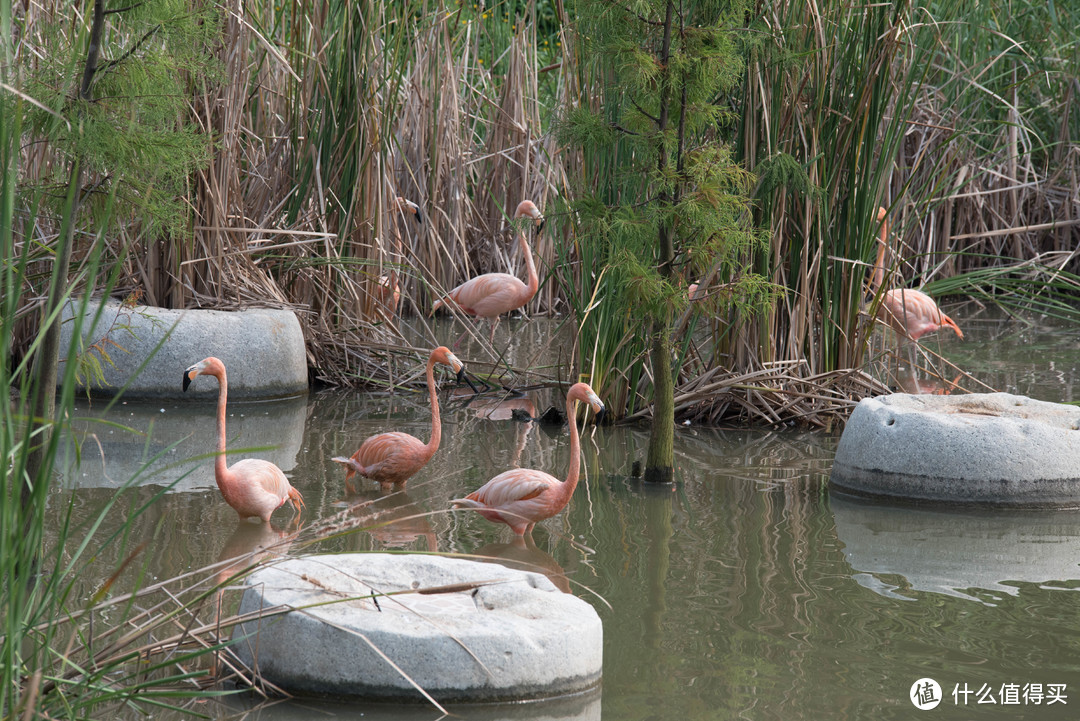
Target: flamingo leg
x=460, y=338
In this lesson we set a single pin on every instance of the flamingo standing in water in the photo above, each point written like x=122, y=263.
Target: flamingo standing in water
x=394, y=457
x=911, y=313
x=521, y=497
x=387, y=288
x=253, y=487
x=492, y=294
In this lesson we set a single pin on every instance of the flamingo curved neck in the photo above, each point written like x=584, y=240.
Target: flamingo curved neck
x=879, y=264
x=572, y=475
x=534, y=280
x=436, y=424
x=221, y=468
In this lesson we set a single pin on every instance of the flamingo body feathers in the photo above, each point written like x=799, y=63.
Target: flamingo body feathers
x=492, y=294
x=390, y=457
x=914, y=314
x=911, y=313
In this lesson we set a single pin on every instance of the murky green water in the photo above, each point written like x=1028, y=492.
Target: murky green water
x=745, y=591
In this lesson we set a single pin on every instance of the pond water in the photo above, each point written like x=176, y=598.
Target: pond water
x=746, y=590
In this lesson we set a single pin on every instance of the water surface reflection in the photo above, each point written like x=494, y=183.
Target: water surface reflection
x=971, y=554
x=744, y=591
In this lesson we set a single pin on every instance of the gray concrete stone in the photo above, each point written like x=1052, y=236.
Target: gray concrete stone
x=513, y=636
x=979, y=555
x=165, y=435
x=263, y=350
x=994, y=448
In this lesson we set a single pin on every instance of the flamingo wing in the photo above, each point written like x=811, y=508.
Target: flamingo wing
x=515, y=486
x=392, y=456
x=916, y=314
x=490, y=295
x=264, y=486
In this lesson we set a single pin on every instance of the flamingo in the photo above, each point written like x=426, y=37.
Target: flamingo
x=492, y=294
x=387, y=288
x=253, y=487
x=394, y=457
x=521, y=497
x=911, y=313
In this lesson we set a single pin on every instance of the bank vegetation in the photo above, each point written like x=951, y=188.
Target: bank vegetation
x=315, y=116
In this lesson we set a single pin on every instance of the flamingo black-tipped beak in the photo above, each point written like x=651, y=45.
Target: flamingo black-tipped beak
x=600, y=416
x=419, y=217
x=462, y=376
x=540, y=226
x=187, y=379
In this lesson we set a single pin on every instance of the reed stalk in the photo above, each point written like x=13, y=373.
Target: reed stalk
x=321, y=113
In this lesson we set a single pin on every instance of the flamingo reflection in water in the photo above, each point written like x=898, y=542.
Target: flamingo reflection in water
x=249, y=545
x=522, y=553
x=394, y=520
x=502, y=407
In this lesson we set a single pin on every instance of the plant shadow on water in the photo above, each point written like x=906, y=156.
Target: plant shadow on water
x=744, y=590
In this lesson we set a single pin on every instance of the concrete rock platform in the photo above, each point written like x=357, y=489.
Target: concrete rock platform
x=263, y=349
x=463, y=631
x=993, y=449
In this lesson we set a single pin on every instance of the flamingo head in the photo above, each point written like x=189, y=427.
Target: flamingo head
x=401, y=205
x=207, y=367
x=443, y=355
x=528, y=209
x=584, y=393
x=881, y=213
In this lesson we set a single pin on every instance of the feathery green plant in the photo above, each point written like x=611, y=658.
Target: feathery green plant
x=662, y=202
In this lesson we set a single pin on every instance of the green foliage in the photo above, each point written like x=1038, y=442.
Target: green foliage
x=130, y=130
x=662, y=202
x=1027, y=59
x=784, y=171
x=910, y=106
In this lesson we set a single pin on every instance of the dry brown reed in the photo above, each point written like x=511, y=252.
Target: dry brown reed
x=995, y=211
x=316, y=132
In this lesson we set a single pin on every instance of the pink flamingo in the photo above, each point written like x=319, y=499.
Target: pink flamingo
x=394, y=457
x=521, y=497
x=387, y=288
x=253, y=487
x=492, y=294
x=911, y=313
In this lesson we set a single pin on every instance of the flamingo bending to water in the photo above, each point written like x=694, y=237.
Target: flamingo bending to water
x=492, y=294
x=394, y=457
x=387, y=288
x=911, y=313
x=253, y=487
x=521, y=497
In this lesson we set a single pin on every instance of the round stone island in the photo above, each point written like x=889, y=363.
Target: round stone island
x=148, y=349
x=990, y=449
x=371, y=625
